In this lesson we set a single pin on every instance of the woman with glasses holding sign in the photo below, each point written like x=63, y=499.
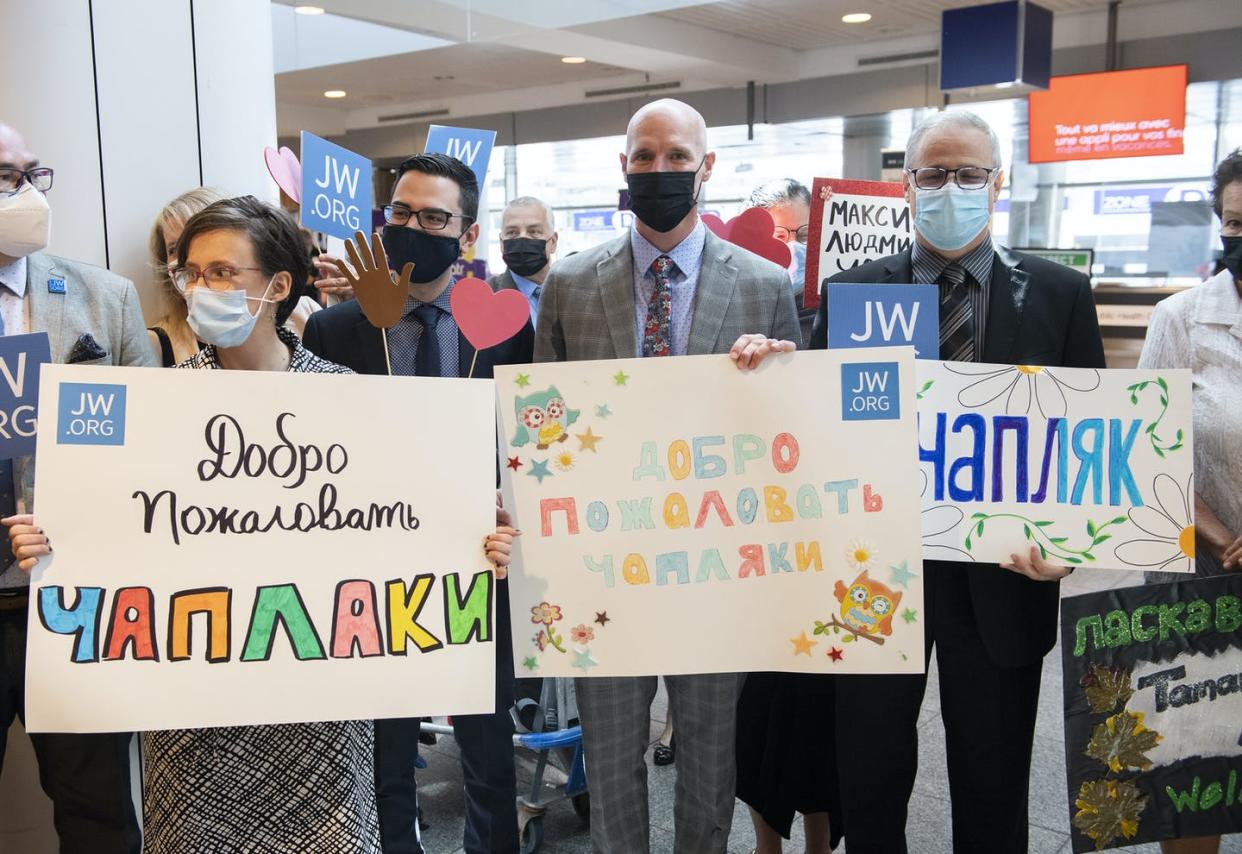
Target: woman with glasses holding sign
x=288, y=788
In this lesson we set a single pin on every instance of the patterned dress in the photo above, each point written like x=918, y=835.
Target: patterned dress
x=287, y=789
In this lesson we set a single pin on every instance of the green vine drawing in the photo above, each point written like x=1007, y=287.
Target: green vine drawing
x=1157, y=444
x=554, y=639
x=923, y=389
x=1037, y=532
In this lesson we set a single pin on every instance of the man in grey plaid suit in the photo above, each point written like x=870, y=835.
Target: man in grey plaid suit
x=669, y=287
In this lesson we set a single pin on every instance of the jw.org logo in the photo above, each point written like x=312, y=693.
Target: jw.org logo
x=91, y=414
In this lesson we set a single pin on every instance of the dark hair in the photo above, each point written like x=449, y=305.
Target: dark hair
x=1228, y=171
x=444, y=166
x=278, y=245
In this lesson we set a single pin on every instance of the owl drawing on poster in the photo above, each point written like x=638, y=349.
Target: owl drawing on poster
x=867, y=606
x=542, y=418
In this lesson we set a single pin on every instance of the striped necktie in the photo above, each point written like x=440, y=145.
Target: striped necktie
x=957, y=315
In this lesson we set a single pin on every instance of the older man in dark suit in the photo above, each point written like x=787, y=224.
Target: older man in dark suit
x=91, y=317
x=990, y=628
x=430, y=221
x=528, y=240
x=668, y=287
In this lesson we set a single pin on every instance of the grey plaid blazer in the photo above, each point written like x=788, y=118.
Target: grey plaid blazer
x=587, y=307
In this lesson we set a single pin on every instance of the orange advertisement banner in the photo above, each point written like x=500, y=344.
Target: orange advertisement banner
x=1136, y=113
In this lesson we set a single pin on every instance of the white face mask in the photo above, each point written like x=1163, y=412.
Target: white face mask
x=223, y=318
x=25, y=222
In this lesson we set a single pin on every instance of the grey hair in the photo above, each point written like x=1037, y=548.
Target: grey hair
x=784, y=191
x=952, y=119
x=531, y=201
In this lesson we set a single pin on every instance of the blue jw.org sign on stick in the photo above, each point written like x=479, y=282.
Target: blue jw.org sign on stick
x=20, y=358
x=336, y=188
x=469, y=145
x=884, y=315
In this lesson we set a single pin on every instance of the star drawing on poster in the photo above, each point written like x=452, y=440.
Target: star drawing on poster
x=909, y=615
x=522, y=380
x=514, y=463
x=836, y=653
x=620, y=378
x=539, y=470
x=602, y=618
x=530, y=662
x=583, y=659
x=802, y=644
x=902, y=574
x=603, y=411
x=588, y=440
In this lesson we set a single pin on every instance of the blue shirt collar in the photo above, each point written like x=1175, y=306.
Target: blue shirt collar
x=687, y=255
x=525, y=285
x=13, y=276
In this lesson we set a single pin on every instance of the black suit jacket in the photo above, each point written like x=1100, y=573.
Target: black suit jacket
x=1039, y=313
x=342, y=334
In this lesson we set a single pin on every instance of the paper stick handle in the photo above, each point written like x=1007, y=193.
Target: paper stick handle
x=387, y=360
x=474, y=359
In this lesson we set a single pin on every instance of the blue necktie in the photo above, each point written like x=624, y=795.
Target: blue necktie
x=427, y=358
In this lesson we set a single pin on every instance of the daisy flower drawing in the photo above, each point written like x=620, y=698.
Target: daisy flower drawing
x=1169, y=524
x=860, y=555
x=1022, y=388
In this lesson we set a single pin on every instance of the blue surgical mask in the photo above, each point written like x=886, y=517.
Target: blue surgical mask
x=797, y=265
x=222, y=317
x=951, y=217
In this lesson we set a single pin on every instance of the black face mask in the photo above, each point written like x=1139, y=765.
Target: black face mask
x=431, y=254
x=662, y=199
x=525, y=255
x=1233, y=255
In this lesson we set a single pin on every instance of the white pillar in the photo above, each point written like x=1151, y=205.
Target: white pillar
x=132, y=102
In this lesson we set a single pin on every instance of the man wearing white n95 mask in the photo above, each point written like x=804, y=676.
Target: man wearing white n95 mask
x=989, y=628
x=91, y=317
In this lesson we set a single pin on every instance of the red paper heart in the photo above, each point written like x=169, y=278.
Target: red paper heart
x=752, y=230
x=285, y=170
x=485, y=317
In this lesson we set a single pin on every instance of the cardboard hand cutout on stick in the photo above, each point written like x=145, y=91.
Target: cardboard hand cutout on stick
x=380, y=296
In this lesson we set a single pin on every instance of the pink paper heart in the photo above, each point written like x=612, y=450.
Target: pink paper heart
x=485, y=317
x=285, y=170
x=752, y=230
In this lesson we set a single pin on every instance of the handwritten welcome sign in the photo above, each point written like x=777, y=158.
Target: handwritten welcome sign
x=1092, y=467
x=852, y=222
x=256, y=547
x=1153, y=712
x=679, y=516
x=20, y=359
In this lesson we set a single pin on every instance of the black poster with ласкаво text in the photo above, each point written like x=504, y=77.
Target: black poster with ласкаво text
x=1153, y=712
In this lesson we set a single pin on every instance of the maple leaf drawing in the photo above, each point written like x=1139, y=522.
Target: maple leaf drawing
x=1108, y=809
x=1106, y=688
x=1122, y=741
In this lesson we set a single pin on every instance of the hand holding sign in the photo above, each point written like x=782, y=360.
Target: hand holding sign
x=379, y=294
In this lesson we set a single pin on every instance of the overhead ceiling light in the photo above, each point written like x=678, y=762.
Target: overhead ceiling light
x=334, y=93
x=856, y=18
x=573, y=60
x=308, y=10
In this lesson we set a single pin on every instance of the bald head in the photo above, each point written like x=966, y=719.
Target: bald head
x=668, y=118
x=14, y=153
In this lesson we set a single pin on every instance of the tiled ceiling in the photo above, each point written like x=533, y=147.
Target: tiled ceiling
x=811, y=24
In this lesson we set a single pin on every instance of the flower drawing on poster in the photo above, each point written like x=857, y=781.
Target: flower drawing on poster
x=1022, y=387
x=1071, y=462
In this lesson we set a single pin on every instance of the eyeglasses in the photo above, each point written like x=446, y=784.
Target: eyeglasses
x=799, y=234
x=429, y=219
x=966, y=177
x=218, y=277
x=11, y=180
